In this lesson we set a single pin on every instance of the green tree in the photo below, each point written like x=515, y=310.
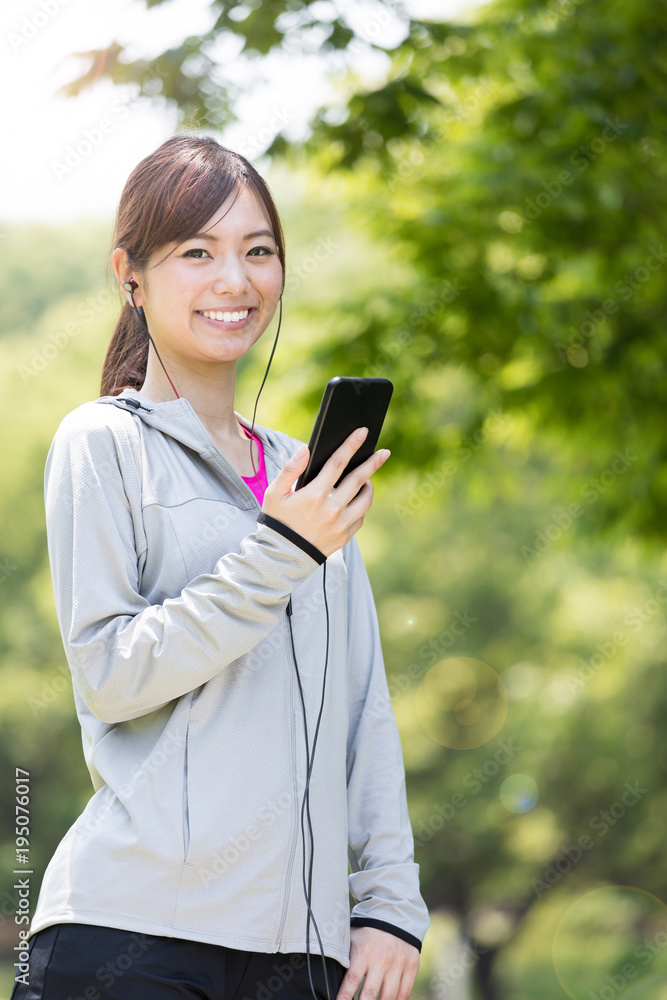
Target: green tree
x=518, y=163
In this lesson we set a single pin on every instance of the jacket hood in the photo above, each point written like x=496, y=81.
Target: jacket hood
x=178, y=419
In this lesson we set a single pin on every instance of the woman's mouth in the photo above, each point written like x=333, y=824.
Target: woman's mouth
x=232, y=320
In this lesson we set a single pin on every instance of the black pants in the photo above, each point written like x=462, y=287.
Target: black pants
x=86, y=962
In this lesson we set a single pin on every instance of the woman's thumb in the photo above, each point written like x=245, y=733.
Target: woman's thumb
x=292, y=467
x=294, y=462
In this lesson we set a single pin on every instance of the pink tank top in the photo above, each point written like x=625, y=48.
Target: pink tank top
x=258, y=488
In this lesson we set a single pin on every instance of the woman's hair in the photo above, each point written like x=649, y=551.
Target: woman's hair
x=169, y=196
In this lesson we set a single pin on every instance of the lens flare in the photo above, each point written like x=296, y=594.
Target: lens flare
x=518, y=793
x=611, y=944
x=461, y=703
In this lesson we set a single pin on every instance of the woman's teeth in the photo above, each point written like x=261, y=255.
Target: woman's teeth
x=226, y=317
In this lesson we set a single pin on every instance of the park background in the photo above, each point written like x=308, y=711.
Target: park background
x=474, y=202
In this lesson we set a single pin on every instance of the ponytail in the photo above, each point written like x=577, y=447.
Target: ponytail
x=127, y=356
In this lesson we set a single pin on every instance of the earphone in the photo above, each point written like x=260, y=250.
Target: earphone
x=130, y=285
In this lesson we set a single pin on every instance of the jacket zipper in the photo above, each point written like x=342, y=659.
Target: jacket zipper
x=186, y=812
x=295, y=794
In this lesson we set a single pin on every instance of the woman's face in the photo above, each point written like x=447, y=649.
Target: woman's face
x=233, y=267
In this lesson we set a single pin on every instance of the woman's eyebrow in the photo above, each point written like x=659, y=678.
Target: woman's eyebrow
x=248, y=236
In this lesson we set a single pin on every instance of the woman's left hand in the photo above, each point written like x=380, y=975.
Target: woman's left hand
x=389, y=963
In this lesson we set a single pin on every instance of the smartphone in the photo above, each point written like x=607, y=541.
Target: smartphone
x=347, y=403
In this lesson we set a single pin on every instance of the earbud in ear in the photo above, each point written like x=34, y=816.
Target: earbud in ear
x=130, y=285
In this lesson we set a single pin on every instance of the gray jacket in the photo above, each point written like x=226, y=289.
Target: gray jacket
x=171, y=589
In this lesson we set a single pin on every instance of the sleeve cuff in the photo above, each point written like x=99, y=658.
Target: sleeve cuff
x=293, y=536
x=382, y=925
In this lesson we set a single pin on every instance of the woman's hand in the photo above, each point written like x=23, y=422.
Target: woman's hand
x=388, y=962
x=324, y=516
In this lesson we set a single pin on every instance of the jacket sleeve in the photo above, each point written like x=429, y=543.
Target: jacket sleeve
x=384, y=877
x=129, y=657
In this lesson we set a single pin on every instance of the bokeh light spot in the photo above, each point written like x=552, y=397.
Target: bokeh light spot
x=467, y=712
x=519, y=793
x=461, y=703
x=600, y=926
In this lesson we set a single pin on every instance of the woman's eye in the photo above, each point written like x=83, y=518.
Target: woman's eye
x=196, y=252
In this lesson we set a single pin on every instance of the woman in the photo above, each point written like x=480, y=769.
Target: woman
x=188, y=584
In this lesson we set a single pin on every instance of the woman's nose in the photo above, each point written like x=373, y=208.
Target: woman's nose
x=231, y=276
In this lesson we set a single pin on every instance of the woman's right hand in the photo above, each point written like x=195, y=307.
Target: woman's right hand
x=324, y=516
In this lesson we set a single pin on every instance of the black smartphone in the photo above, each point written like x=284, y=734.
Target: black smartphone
x=347, y=403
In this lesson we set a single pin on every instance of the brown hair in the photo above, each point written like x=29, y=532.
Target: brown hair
x=168, y=197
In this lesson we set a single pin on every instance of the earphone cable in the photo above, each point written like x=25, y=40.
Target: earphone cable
x=306, y=799
x=275, y=342
x=142, y=320
x=310, y=760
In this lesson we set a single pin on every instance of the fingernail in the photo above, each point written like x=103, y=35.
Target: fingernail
x=362, y=432
x=385, y=453
x=300, y=452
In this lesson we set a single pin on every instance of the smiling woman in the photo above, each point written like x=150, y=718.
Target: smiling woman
x=194, y=300
x=198, y=274
x=222, y=269
x=188, y=596
x=215, y=198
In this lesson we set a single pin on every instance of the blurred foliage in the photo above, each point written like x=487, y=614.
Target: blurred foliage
x=38, y=266
x=518, y=162
x=492, y=216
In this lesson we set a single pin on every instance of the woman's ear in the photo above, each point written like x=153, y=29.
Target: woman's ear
x=123, y=272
